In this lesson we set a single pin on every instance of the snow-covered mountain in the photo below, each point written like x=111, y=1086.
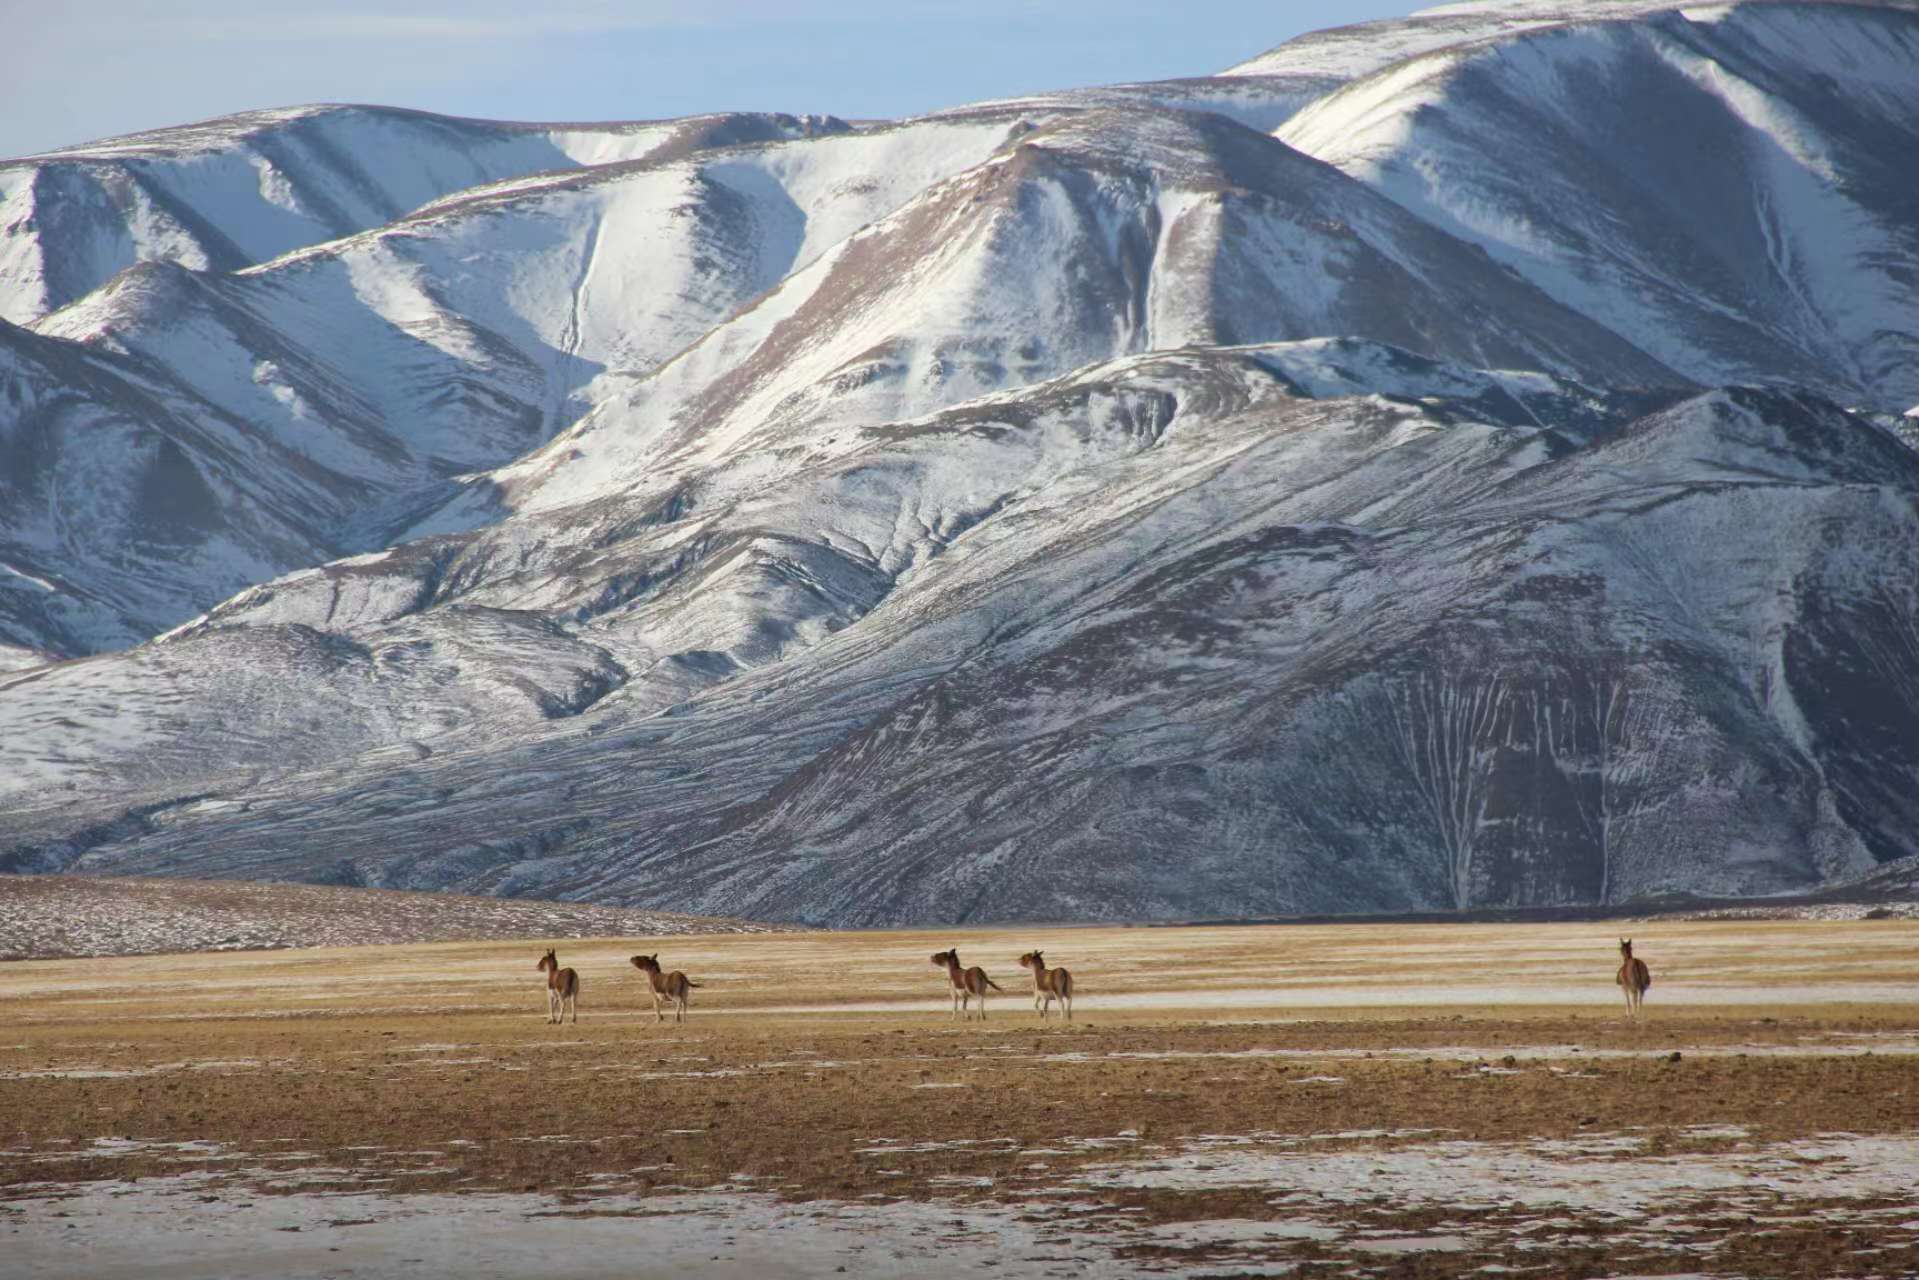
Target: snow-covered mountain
x=231, y=193
x=1444, y=462
x=1728, y=183
x=329, y=391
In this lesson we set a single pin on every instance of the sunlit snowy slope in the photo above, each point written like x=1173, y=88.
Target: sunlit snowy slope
x=1446, y=462
x=233, y=192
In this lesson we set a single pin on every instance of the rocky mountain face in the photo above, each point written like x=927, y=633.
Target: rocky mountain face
x=1450, y=462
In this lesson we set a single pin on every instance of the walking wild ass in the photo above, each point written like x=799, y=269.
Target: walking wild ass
x=1049, y=985
x=672, y=986
x=1634, y=977
x=967, y=983
x=562, y=989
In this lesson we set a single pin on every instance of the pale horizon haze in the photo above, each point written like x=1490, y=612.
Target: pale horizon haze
x=70, y=74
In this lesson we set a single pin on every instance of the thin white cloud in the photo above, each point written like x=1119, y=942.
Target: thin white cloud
x=269, y=22
x=398, y=26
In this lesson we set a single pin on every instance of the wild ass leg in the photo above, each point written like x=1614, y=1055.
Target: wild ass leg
x=1066, y=1003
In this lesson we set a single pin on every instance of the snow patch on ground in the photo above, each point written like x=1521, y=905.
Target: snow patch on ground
x=1542, y=1176
x=1494, y=1198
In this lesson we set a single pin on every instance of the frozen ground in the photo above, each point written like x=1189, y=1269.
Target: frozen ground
x=1492, y=1200
x=179, y=1226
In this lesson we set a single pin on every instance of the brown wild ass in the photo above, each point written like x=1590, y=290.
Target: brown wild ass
x=1049, y=985
x=673, y=986
x=1634, y=977
x=562, y=989
x=967, y=983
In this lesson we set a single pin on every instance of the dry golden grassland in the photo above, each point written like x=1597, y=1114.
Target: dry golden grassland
x=1421, y=1100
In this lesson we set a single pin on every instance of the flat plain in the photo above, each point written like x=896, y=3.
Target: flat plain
x=1428, y=1100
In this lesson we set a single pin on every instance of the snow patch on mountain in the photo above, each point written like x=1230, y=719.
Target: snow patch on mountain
x=1745, y=237
x=238, y=190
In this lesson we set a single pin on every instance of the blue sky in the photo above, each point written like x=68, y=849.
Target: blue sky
x=74, y=71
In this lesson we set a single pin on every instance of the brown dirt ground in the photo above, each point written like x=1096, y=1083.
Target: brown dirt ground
x=431, y=1066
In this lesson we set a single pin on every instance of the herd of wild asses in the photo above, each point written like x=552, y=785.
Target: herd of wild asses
x=966, y=984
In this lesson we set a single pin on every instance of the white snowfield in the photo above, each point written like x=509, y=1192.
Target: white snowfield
x=1445, y=462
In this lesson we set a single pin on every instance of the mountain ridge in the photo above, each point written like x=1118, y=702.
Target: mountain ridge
x=1089, y=505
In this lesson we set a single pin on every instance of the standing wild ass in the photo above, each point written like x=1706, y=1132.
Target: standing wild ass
x=673, y=986
x=1049, y=985
x=1634, y=977
x=967, y=983
x=562, y=989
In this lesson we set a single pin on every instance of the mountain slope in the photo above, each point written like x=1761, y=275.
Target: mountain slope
x=1097, y=235
x=232, y=192
x=1490, y=488
x=1295, y=708
x=335, y=390
x=1343, y=54
x=1052, y=255
x=1723, y=182
x=130, y=501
